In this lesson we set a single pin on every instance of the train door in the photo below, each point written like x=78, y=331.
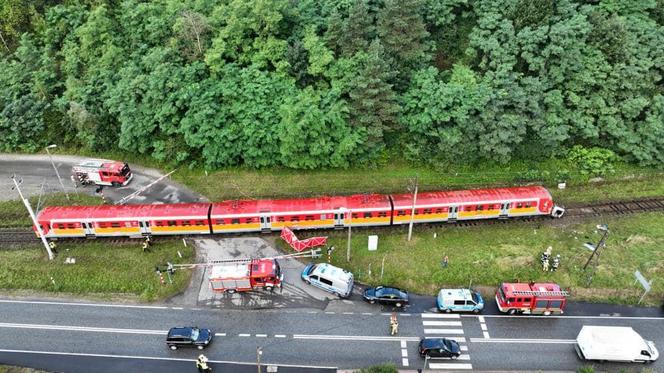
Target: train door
x=504, y=210
x=266, y=223
x=88, y=228
x=339, y=219
x=452, y=213
x=144, y=227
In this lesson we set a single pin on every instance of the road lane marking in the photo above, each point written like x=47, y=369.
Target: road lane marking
x=403, y=344
x=450, y=366
x=483, y=327
x=481, y=318
x=404, y=362
x=220, y=334
x=261, y=335
x=486, y=335
x=367, y=313
x=404, y=352
x=441, y=323
x=519, y=340
x=356, y=338
x=177, y=308
x=348, y=313
x=569, y=317
x=463, y=348
x=279, y=336
x=81, y=328
x=158, y=358
x=441, y=315
x=244, y=335
x=443, y=331
x=404, y=314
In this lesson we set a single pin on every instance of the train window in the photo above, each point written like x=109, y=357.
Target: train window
x=172, y=223
x=427, y=211
x=519, y=205
x=355, y=215
x=309, y=217
x=367, y=215
x=219, y=221
x=440, y=211
x=281, y=219
x=401, y=213
x=186, y=223
x=159, y=223
x=480, y=207
x=235, y=221
x=128, y=224
x=295, y=218
x=382, y=214
x=200, y=222
x=470, y=208
x=324, y=216
x=115, y=224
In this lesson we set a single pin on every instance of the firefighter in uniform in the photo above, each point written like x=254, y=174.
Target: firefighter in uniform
x=51, y=244
x=146, y=244
x=394, y=324
x=201, y=364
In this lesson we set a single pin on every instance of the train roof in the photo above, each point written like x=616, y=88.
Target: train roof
x=471, y=195
x=112, y=212
x=358, y=202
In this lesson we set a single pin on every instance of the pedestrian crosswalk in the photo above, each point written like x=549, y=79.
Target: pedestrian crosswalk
x=446, y=325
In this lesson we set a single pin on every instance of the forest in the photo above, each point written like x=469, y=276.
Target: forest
x=309, y=84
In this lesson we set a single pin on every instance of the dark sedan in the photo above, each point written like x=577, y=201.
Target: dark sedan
x=386, y=295
x=188, y=336
x=439, y=347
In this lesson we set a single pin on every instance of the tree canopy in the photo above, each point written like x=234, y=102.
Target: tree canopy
x=313, y=84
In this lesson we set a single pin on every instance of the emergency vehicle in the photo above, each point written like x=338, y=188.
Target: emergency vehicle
x=246, y=275
x=102, y=172
x=531, y=298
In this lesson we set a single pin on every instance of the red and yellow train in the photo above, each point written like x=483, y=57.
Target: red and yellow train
x=308, y=213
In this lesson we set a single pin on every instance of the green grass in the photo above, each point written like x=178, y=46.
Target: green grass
x=490, y=254
x=12, y=369
x=101, y=269
x=14, y=214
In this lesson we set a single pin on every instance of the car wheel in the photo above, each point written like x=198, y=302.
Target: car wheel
x=454, y=357
x=398, y=304
x=511, y=311
x=200, y=347
x=231, y=291
x=173, y=347
x=448, y=310
x=373, y=301
x=308, y=282
x=336, y=294
x=547, y=313
x=476, y=310
x=269, y=288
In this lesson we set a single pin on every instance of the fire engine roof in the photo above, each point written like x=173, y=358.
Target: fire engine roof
x=358, y=202
x=101, y=163
x=231, y=270
x=110, y=212
x=473, y=195
x=510, y=288
x=262, y=267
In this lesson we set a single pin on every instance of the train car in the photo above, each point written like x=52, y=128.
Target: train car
x=474, y=204
x=129, y=220
x=309, y=213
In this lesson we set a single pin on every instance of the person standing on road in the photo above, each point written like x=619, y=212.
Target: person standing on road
x=201, y=364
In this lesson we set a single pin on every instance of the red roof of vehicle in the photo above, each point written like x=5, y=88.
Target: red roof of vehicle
x=509, y=288
x=111, y=212
x=262, y=267
x=356, y=202
x=472, y=195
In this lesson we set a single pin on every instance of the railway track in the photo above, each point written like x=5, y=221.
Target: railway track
x=12, y=238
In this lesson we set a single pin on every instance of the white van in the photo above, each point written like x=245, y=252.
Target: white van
x=459, y=300
x=614, y=343
x=329, y=278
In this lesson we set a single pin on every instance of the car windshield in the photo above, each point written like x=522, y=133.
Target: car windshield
x=447, y=344
x=476, y=297
x=313, y=268
x=194, y=334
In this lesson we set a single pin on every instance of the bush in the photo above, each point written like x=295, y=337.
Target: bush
x=586, y=369
x=383, y=368
x=594, y=161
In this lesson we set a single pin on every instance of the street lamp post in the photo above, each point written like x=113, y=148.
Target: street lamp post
x=56, y=169
x=259, y=352
x=32, y=216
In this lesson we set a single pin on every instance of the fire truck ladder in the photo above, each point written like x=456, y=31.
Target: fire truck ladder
x=170, y=268
x=561, y=293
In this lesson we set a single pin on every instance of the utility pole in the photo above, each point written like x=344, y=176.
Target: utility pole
x=604, y=228
x=32, y=216
x=412, y=212
x=56, y=169
x=259, y=352
x=350, y=222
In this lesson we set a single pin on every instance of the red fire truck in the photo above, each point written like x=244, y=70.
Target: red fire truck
x=246, y=275
x=531, y=298
x=101, y=172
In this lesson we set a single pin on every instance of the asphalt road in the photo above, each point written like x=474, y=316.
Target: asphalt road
x=36, y=170
x=133, y=337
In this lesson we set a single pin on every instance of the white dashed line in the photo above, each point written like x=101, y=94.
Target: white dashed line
x=220, y=334
x=404, y=352
x=348, y=313
x=329, y=313
x=483, y=327
x=441, y=323
x=450, y=366
x=261, y=335
x=177, y=308
x=404, y=314
x=244, y=335
x=367, y=313
x=486, y=335
x=403, y=344
x=279, y=336
x=463, y=348
x=404, y=362
x=443, y=331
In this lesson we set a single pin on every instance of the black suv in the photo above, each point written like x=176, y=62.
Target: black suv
x=188, y=336
x=386, y=295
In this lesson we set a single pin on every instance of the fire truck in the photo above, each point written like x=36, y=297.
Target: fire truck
x=101, y=172
x=531, y=298
x=246, y=275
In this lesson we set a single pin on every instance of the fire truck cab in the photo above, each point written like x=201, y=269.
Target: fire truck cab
x=531, y=298
x=102, y=172
x=246, y=275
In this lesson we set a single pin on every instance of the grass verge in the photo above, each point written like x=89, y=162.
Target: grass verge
x=101, y=270
x=487, y=255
